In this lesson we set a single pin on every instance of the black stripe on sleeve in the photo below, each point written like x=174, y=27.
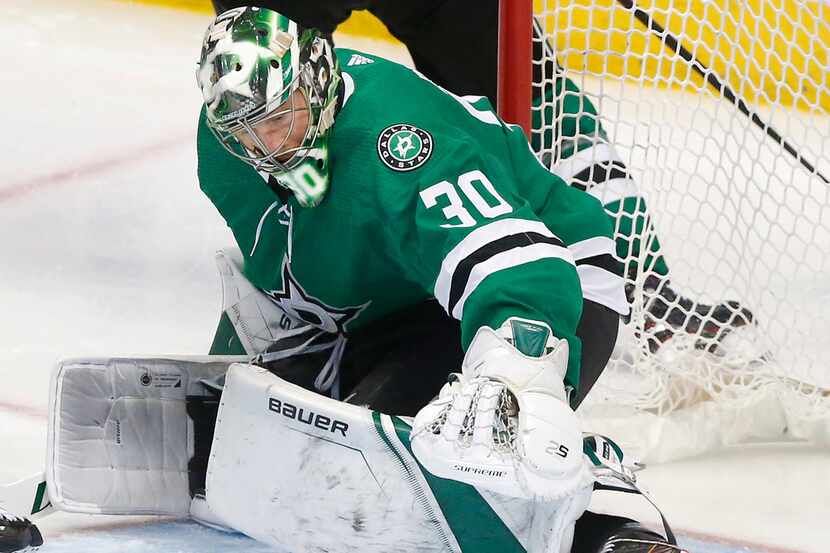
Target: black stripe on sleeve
x=604, y=261
x=503, y=244
x=600, y=172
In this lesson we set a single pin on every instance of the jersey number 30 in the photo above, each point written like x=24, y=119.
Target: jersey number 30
x=455, y=210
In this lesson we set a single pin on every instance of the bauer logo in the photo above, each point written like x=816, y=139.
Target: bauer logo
x=403, y=147
x=306, y=416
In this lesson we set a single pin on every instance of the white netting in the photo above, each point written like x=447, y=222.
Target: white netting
x=736, y=216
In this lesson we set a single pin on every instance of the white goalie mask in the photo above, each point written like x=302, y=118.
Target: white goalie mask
x=271, y=90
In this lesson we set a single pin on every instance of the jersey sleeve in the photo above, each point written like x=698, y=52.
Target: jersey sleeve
x=480, y=249
x=469, y=215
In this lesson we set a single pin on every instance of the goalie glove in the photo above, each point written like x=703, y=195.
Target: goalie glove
x=504, y=424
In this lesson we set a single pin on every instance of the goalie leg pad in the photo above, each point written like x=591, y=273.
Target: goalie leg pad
x=120, y=440
x=303, y=472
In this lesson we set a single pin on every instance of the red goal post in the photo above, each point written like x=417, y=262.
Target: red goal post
x=515, y=72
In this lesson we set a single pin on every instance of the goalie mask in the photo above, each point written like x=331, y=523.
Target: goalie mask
x=270, y=88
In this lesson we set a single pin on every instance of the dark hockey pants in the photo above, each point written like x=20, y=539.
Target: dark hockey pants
x=398, y=364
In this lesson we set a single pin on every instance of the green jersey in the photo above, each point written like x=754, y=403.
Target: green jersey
x=432, y=196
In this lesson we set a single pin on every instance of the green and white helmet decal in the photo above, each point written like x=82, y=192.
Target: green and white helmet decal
x=260, y=71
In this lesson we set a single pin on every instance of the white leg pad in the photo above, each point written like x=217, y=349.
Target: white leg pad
x=303, y=472
x=119, y=437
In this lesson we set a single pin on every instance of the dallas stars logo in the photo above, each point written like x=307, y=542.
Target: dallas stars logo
x=404, y=147
x=294, y=300
x=405, y=144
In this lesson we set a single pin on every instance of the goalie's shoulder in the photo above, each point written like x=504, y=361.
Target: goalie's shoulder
x=391, y=152
x=381, y=77
x=350, y=59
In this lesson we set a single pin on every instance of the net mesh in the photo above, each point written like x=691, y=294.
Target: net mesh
x=724, y=232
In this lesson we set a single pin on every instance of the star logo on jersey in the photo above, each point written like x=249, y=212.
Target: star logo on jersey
x=403, y=147
x=298, y=304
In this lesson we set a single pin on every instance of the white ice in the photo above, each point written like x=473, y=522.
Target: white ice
x=108, y=246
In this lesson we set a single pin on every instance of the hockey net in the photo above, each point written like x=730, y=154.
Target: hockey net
x=720, y=113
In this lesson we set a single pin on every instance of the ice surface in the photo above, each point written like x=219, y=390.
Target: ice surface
x=165, y=537
x=108, y=245
x=189, y=537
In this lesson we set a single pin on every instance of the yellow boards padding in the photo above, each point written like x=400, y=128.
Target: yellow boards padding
x=361, y=23
x=199, y=6
x=768, y=51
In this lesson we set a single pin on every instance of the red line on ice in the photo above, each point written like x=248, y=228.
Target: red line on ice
x=735, y=542
x=25, y=410
x=22, y=188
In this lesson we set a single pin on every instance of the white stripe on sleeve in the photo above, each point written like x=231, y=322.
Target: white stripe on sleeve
x=571, y=166
x=476, y=240
x=506, y=260
x=598, y=245
x=603, y=287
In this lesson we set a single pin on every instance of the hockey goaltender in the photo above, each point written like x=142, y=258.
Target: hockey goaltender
x=415, y=309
